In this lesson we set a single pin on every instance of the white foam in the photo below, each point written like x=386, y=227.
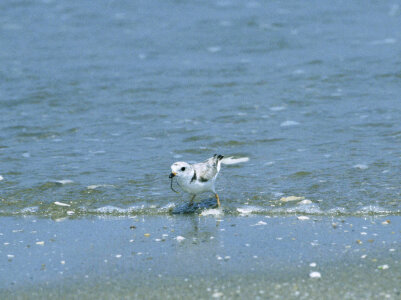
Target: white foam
x=373, y=209
x=248, y=210
x=95, y=186
x=304, y=209
x=289, y=123
x=31, y=209
x=360, y=166
x=305, y=202
x=260, y=223
x=64, y=181
x=212, y=212
x=1, y=178
x=110, y=209
x=167, y=207
x=337, y=210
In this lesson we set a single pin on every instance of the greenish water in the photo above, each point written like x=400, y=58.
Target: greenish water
x=98, y=100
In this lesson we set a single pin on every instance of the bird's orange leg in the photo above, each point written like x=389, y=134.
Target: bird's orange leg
x=218, y=200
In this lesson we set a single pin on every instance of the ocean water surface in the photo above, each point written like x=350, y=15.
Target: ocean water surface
x=97, y=100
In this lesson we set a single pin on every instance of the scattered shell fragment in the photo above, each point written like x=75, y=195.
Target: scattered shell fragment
x=217, y=295
x=315, y=275
x=291, y=198
x=383, y=267
x=180, y=238
x=10, y=256
x=118, y=256
x=61, y=204
x=41, y=243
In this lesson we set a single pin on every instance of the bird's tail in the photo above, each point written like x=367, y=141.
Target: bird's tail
x=232, y=161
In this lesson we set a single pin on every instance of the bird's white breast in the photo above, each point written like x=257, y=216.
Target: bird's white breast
x=196, y=187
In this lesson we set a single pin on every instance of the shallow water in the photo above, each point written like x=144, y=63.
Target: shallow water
x=98, y=100
x=178, y=257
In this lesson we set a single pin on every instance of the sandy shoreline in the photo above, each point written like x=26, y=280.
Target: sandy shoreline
x=200, y=256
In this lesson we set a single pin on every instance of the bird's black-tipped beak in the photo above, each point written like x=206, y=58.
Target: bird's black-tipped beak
x=172, y=174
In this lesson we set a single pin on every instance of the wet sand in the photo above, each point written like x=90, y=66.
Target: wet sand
x=205, y=257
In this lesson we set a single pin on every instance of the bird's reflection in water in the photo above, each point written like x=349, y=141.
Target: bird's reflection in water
x=195, y=207
x=197, y=230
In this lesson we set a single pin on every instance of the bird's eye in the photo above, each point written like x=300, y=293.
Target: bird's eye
x=183, y=169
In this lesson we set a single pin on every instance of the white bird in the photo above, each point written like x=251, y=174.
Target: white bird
x=200, y=178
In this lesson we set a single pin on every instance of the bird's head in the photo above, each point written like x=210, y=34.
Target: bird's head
x=182, y=170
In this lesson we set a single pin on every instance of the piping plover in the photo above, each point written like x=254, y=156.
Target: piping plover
x=199, y=178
